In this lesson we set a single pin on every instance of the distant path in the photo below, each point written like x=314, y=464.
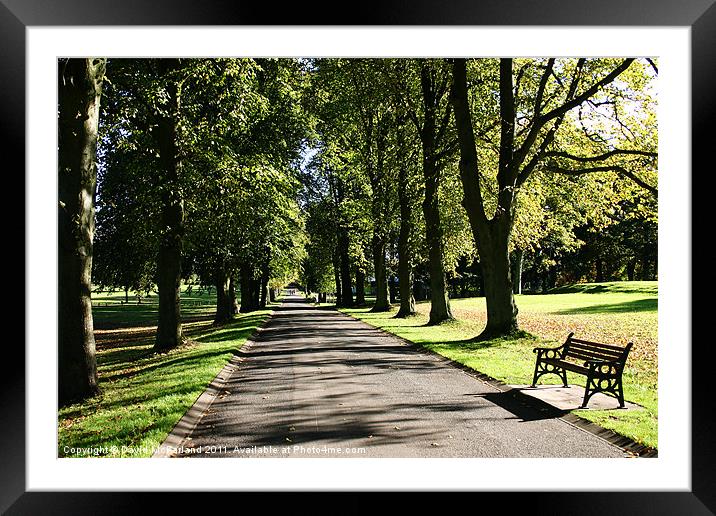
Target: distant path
x=317, y=381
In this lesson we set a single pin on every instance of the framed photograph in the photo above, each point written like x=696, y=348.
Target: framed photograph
x=673, y=42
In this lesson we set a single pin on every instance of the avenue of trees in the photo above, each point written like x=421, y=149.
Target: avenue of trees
x=387, y=180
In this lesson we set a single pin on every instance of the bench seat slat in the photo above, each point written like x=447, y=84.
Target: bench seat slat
x=569, y=366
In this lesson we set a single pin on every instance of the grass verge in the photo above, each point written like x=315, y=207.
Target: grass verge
x=145, y=394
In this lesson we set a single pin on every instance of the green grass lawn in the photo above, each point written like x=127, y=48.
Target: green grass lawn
x=614, y=313
x=145, y=394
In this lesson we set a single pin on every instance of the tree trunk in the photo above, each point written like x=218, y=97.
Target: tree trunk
x=255, y=284
x=233, y=304
x=463, y=281
x=223, y=299
x=272, y=295
x=392, y=290
x=169, y=329
x=500, y=301
x=491, y=236
x=418, y=290
x=439, y=302
x=360, y=287
x=645, y=266
x=517, y=271
x=80, y=88
x=631, y=266
x=339, y=293
x=405, y=282
x=264, y=291
x=552, y=277
x=545, y=282
x=481, y=280
x=345, y=269
x=265, y=277
x=405, y=272
x=381, y=280
x=600, y=271
x=246, y=295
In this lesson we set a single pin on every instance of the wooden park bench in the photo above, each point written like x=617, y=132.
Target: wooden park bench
x=602, y=364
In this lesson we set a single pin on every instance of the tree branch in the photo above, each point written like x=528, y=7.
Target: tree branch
x=448, y=150
x=402, y=97
x=607, y=79
x=537, y=124
x=507, y=125
x=606, y=155
x=542, y=86
x=607, y=168
x=444, y=123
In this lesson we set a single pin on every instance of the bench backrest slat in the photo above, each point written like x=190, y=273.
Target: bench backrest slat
x=597, y=352
x=597, y=344
x=586, y=350
x=586, y=355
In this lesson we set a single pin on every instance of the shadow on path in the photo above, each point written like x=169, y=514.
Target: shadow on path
x=315, y=376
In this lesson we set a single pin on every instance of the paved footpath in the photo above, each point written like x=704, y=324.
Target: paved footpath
x=317, y=383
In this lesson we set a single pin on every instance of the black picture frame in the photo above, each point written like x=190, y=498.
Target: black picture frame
x=700, y=15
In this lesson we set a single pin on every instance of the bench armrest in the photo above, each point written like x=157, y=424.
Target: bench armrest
x=535, y=350
x=554, y=352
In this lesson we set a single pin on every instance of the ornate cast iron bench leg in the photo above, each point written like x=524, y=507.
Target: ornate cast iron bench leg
x=620, y=392
x=564, y=377
x=534, y=377
x=587, y=394
x=548, y=369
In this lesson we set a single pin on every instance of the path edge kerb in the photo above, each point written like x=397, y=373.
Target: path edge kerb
x=620, y=441
x=188, y=422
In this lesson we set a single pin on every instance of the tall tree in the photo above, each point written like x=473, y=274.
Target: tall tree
x=407, y=197
x=374, y=135
x=381, y=209
x=528, y=126
x=431, y=116
x=80, y=88
x=169, y=327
